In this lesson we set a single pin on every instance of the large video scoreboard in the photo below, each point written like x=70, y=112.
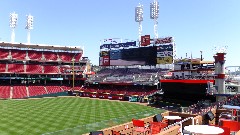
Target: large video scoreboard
x=150, y=55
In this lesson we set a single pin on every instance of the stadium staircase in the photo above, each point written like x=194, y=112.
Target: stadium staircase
x=27, y=91
x=11, y=92
x=46, y=90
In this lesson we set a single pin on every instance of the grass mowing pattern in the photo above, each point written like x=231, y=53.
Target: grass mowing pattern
x=64, y=116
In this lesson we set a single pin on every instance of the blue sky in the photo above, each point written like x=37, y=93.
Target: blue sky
x=195, y=25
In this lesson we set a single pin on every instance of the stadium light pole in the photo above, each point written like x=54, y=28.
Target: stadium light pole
x=73, y=69
x=13, y=24
x=29, y=27
x=139, y=19
x=154, y=12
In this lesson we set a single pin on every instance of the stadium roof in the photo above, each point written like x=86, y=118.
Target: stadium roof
x=40, y=46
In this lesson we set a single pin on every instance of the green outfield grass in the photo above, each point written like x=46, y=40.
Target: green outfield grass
x=66, y=116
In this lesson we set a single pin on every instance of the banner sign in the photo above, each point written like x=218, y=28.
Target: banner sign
x=105, y=61
x=165, y=40
x=119, y=45
x=165, y=60
x=145, y=40
x=104, y=53
x=165, y=48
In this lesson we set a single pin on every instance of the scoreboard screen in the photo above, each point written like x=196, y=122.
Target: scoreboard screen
x=151, y=55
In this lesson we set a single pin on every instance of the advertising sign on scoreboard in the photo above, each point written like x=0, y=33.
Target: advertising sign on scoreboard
x=164, y=54
x=118, y=45
x=164, y=60
x=104, y=59
x=165, y=40
x=145, y=40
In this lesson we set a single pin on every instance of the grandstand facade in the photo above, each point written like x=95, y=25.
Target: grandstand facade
x=33, y=70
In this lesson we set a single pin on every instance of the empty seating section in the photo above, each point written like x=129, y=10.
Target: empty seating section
x=78, y=56
x=50, y=56
x=51, y=69
x=5, y=91
x=64, y=56
x=19, y=92
x=4, y=53
x=66, y=88
x=53, y=89
x=15, y=68
x=34, y=55
x=18, y=54
x=2, y=67
x=33, y=68
x=36, y=90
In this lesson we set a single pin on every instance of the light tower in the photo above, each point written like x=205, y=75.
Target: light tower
x=139, y=19
x=29, y=27
x=154, y=12
x=13, y=24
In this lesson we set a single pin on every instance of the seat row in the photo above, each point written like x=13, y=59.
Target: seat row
x=139, y=92
x=22, y=91
x=21, y=68
x=38, y=55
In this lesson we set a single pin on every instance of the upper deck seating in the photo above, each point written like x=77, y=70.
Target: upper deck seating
x=36, y=90
x=18, y=54
x=64, y=56
x=34, y=55
x=19, y=92
x=4, y=53
x=51, y=69
x=5, y=91
x=16, y=68
x=33, y=69
x=78, y=56
x=2, y=67
x=50, y=56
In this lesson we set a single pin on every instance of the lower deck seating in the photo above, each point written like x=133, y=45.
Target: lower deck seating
x=66, y=88
x=19, y=92
x=5, y=91
x=36, y=90
x=53, y=89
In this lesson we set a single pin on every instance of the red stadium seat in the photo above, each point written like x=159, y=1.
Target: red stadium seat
x=4, y=53
x=18, y=54
x=2, y=67
x=53, y=89
x=51, y=69
x=19, y=92
x=36, y=90
x=33, y=69
x=15, y=68
x=5, y=91
x=50, y=56
x=34, y=55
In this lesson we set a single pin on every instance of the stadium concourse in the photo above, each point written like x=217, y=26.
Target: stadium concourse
x=32, y=70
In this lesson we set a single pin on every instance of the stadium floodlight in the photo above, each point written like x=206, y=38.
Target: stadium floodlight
x=154, y=12
x=13, y=24
x=139, y=19
x=29, y=26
